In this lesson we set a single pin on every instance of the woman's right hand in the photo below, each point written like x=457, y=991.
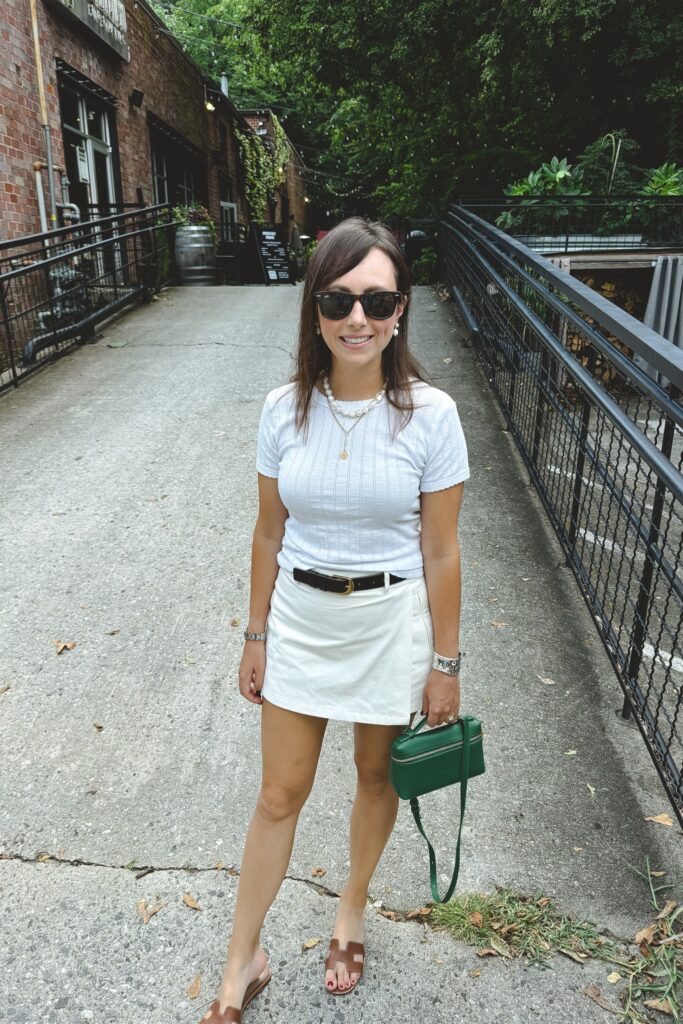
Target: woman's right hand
x=252, y=670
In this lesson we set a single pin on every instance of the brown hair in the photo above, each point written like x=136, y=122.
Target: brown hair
x=336, y=254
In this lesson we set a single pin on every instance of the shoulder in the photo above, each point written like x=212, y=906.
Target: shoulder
x=285, y=392
x=431, y=403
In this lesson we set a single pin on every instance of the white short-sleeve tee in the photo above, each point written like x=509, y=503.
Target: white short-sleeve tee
x=360, y=514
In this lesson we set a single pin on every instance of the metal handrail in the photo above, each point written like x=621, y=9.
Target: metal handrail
x=656, y=350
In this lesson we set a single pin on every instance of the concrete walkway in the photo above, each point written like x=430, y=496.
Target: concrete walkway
x=129, y=500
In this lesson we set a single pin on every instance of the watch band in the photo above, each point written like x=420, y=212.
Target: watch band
x=451, y=666
x=254, y=636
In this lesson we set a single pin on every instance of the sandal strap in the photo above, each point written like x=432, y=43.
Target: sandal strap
x=230, y=1015
x=346, y=956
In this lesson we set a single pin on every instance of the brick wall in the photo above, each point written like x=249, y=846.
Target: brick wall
x=172, y=87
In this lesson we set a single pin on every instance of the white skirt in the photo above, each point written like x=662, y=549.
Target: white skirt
x=364, y=657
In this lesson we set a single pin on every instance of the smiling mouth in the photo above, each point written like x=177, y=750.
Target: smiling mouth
x=361, y=340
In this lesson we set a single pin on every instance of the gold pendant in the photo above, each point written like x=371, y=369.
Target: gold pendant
x=343, y=454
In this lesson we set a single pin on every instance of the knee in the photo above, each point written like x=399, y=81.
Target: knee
x=278, y=801
x=373, y=778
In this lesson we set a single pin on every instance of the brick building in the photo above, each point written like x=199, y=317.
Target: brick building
x=291, y=199
x=127, y=110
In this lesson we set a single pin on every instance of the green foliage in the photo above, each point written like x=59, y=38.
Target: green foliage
x=194, y=215
x=405, y=106
x=666, y=180
x=605, y=165
x=265, y=168
x=424, y=268
x=552, y=179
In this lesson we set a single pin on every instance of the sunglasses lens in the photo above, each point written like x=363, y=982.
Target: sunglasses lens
x=335, y=305
x=379, y=305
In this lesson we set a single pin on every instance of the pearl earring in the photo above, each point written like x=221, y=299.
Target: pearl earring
x=396, y=330
x=317, y=328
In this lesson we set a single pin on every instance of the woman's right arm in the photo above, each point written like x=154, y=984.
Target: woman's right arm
x=268, y=534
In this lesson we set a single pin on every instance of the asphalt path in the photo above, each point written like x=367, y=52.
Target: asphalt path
x=129, y=764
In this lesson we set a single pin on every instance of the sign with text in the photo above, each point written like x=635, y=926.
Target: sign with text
x=105, y=18
x=272, y=254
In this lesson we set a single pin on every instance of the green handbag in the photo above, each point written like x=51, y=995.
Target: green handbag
x=423, y=762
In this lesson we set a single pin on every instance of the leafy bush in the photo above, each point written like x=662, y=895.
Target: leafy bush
x=424, y=268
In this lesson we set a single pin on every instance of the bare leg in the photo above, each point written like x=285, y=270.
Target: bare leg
x=372, y=820
x=290, y=746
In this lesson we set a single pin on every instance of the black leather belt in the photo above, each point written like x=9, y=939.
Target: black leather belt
x=343, y=584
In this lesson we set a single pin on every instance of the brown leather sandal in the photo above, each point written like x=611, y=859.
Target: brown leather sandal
x=230, y=1014
x=348, y=957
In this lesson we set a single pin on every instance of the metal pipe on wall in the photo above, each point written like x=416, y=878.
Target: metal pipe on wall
x=43, y=114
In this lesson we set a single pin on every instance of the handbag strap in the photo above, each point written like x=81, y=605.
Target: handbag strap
x=415, y=808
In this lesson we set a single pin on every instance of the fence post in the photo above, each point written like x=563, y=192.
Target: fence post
x=581, y=458
x=8, y=333
x=635, y=656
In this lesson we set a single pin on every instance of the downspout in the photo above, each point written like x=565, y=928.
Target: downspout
x=43, y=114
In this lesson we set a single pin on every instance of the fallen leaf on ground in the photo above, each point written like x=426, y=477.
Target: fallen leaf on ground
x=310, y=943
x=390, y=914
x=578, y=849
x=544, y=901
x=419, y=912
x=663, y=1005
x=476, y=919
x=145, y=911
x=668, y=907
x=646, y=934
x=500, y=946
x=591, y=789
x=61, y=646
x=658, y=874
x=486, y=952
x=113, y=632
x=579, y=957
x=593, y=992
x=448, y=359
x=570, y=753
x=193, y=990
x=4, y=689
x=547, y=680
x=44, y=856
x=495, y=622
x=318, y=872
x=509, y=928
x=234, y=622
x=116, y=344
x=218, y=865
x=614, y=977
x=98, y=727
x=190, y=901
x=475, y=973
x=660, y=819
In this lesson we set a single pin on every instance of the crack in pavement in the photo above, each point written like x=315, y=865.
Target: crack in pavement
x=141, y=870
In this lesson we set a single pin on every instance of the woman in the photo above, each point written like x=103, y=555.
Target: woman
x=355, y=582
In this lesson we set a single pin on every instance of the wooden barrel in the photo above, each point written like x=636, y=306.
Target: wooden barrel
x=195, y=255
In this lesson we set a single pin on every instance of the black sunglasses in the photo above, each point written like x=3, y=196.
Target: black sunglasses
x=376, y=305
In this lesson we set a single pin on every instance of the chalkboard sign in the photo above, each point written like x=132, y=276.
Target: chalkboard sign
x=272, y=254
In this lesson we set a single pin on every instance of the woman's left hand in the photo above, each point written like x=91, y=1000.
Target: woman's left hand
x=441, y=698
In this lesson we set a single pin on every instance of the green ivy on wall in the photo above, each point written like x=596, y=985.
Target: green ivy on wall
x=265, y=168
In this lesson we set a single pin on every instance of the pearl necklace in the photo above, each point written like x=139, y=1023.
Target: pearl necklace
x=356, y=414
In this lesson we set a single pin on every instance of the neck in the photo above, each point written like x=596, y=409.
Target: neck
x=351, y=384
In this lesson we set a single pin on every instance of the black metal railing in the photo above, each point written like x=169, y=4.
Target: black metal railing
x=579, y=223
x=592, y=398
x=55, y=287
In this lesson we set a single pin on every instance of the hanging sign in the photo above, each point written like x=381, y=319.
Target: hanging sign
x=105, y=18
x=272, y=254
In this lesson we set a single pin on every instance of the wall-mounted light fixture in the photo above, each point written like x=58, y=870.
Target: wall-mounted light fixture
x=207, y=102
x=136, y=97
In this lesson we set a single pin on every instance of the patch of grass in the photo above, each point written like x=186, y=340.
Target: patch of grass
x=512, y=924
x=508, y=924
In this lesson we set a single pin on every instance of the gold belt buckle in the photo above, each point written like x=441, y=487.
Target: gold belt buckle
x=349, y=584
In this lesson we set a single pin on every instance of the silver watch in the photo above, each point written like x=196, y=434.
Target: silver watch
x=254, y=636
x=451, y=666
